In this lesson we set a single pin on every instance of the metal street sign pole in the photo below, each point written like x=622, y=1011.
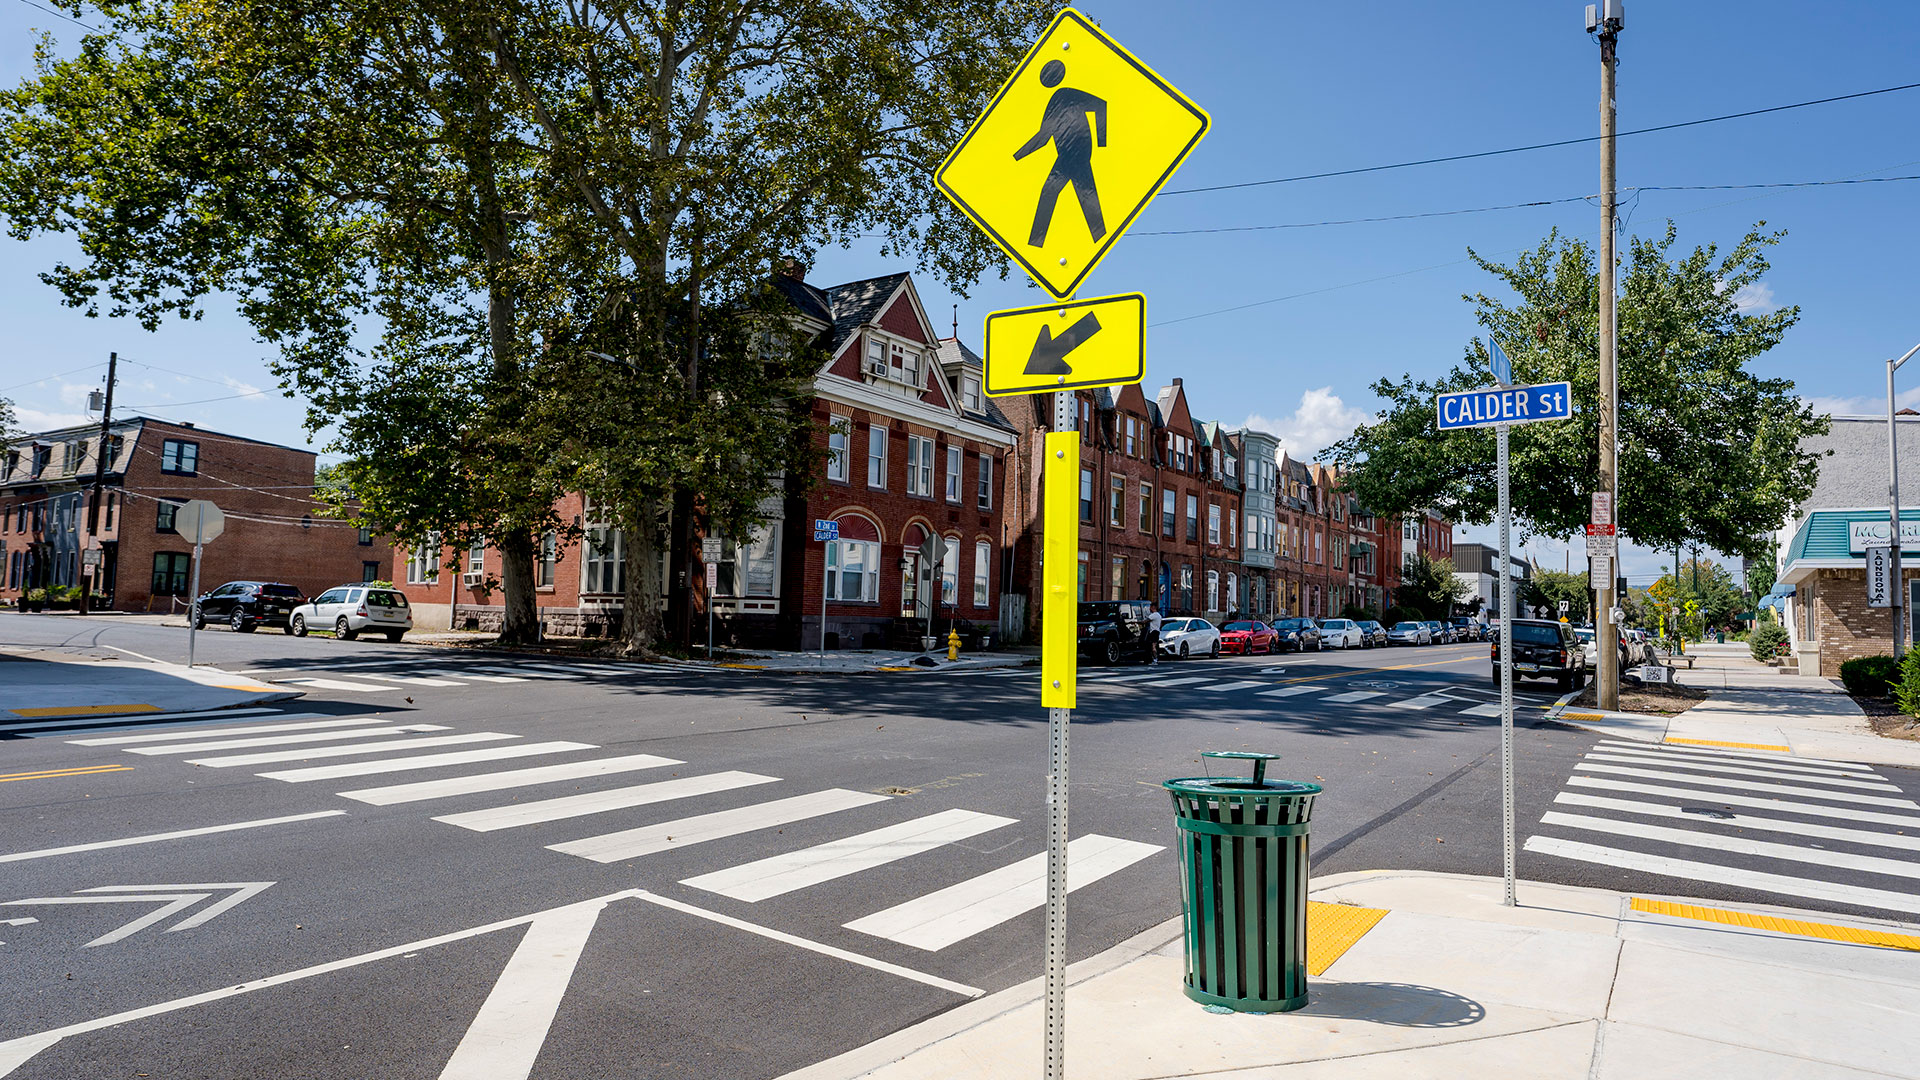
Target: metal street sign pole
x=1506, y=666
x=1059, y=626
x=193, y=604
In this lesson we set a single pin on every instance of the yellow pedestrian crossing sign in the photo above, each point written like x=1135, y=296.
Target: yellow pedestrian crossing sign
x=1099, y=341
x=1072, y=148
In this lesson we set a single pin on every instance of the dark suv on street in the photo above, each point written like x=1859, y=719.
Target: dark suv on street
x=247, y=605
x=1544, y=650
x=1115, y=630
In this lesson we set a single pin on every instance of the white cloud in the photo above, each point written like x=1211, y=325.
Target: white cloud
x=36, y=420
x=1865, y=405
x=1754, y=299
x=239, y=387
x=1321, y=420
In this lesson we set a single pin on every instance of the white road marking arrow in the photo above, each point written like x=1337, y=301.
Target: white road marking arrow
x=172, y=904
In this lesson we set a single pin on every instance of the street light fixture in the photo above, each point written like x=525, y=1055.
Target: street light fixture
x=1893, y=508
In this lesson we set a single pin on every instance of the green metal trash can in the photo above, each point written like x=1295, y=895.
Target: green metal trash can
x=1243, y=864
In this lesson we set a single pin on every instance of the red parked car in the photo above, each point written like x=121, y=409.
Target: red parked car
x=1248, y=638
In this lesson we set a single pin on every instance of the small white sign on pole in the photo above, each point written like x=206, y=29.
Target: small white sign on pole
x=1602, y=508
x=1653, y=673
x=710, y=549
x=1599, y=571
x=1879, y=576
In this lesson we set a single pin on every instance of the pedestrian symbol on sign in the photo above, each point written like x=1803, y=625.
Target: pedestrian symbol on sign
x=1065, y=124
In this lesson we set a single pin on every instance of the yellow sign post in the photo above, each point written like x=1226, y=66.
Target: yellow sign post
x=1096, y=342
x=1060, y=572
x=1079, y=113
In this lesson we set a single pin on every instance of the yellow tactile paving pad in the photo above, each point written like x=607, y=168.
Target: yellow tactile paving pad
x=1734, y=745
x=1852, y=935
x=1332, y=929
x=82, y=710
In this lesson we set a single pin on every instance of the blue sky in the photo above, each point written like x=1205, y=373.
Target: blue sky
x=1297, y=88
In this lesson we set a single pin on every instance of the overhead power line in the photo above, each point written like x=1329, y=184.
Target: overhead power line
x=1538, y=146
x=1516, y=206
x=60, y=15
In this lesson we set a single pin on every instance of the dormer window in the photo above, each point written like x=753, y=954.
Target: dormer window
x=906, y=365
x=970, y=393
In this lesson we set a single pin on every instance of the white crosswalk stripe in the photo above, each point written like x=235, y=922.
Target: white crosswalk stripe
x=782, y=874
x=1728, y=768
x=264, y=729
x=335, y=684
x=1183, y=681
x=1224, y=687
x=305, y=753
x=1354, y=695
x=407, y=680
x=1678, y=811
x=501, y=781
x=1425, y=701
x=423, y=761
x=958, y=912
x=633, y=843
x=1292, y=691
x=514, y=815
x=1747, y=785
x=281, y=740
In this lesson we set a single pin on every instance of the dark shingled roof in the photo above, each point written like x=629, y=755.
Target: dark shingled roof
x=952, y=351
x=857, y=303
x=811, y=301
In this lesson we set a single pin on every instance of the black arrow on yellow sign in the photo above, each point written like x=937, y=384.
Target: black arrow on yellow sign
x=1049, y=355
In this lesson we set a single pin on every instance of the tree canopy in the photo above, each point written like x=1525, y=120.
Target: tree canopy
x=1709, y=452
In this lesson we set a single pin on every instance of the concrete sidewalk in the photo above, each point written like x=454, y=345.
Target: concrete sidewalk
x=1571, y=983
x=1753, y=707
x=47, y=685
x=852, y=660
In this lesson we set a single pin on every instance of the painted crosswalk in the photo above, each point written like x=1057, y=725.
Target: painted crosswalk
x=486, y=789
x=1792, y=827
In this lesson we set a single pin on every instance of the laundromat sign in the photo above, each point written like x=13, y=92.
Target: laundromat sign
x=1862, y=535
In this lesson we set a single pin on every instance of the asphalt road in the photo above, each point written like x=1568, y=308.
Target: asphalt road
x=746, y=972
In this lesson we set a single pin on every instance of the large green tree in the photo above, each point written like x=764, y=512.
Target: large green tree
x=1429, y=586
x=506, y=249
x=1709, y=452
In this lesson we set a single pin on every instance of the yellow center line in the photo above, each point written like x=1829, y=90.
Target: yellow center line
x=49, y=774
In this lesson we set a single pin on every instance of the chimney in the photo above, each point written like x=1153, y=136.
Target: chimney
x=791, y=267
x=1176, y=380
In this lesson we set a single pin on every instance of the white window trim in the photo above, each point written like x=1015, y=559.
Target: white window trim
x=982, y=571
x=877, y=463
x=985, y=499
x=956, y=471
x=841, y=426
x=869, y=571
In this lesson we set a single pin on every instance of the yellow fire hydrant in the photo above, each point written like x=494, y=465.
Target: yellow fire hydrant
x=953, y=644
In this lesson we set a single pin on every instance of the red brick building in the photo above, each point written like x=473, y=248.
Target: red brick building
x=1158, y=519
x=915, y=452
x=275, y=531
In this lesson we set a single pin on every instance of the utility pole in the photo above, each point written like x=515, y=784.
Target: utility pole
x=1605, y=20
x=100, y=455
x=1893, y=512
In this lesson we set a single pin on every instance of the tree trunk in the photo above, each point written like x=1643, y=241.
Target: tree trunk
x=640, y=614
x=520, y=622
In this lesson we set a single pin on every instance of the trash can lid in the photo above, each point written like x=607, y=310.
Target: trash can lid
x=1240, y=786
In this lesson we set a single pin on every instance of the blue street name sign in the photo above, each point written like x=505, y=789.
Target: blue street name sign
x=825, y=530
x=1505, y=405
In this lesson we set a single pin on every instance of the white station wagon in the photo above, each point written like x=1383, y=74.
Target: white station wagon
x=350, y=609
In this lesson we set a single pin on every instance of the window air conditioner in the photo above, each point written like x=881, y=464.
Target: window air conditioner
x=877, y=368
x=472, y=578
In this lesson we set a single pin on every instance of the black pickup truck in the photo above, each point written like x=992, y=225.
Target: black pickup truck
x=1115, y=630
x=1544, y=650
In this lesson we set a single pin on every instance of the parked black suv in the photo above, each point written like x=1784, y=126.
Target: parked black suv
x=1114, y=630
x=1544, y=650
x=247, y=605
x=1466, y=629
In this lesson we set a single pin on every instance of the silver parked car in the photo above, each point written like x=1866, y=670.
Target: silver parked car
x=348, y=610
x=1409, y=633
x=1189, y=637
